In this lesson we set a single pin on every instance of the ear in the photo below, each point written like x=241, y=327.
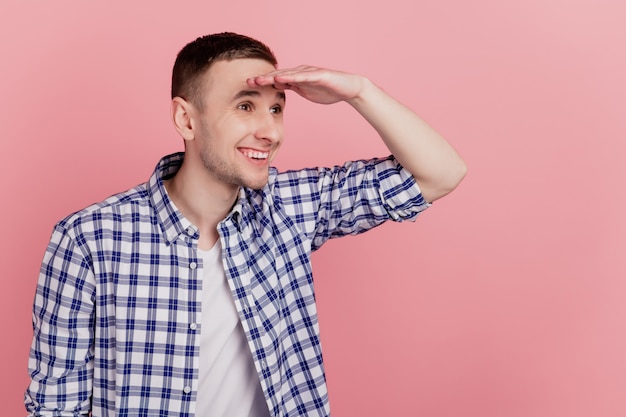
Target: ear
x=182, y=116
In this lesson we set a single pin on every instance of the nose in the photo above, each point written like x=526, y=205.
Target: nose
x=269, y=127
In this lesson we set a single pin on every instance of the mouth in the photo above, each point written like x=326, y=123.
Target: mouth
x=255, y=155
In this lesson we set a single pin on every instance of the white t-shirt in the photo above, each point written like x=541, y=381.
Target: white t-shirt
x=228, y=384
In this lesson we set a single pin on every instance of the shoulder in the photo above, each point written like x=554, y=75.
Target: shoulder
x=116, y=207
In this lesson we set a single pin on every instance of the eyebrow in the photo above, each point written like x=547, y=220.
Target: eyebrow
x=255, y=93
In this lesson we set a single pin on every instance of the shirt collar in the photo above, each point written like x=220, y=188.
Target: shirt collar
x=172, y=222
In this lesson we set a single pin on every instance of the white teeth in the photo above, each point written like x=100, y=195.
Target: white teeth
x=256, y=154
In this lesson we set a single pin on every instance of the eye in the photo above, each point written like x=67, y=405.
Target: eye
x=277, y=109
x=245, y=107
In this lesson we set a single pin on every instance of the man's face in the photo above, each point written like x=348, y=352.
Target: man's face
x=240, y=127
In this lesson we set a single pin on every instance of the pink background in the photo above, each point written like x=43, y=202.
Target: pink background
x=504, y=299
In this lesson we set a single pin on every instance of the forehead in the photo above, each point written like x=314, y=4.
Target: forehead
x=226, y=77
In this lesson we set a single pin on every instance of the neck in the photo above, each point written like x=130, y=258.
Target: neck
x=202, y=200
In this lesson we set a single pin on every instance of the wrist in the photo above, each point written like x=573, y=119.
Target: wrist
x=365, y=92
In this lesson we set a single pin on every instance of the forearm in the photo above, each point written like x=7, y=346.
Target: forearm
x=434, y=164
x=432, y=161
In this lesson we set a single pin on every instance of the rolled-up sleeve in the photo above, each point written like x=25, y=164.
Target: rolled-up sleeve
x=61, y=355
x=349, y=199
x=399, y=192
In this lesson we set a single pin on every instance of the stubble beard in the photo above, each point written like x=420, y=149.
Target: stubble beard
x=226, y=173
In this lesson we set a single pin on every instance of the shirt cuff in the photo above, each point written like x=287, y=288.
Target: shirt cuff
x=400, y=193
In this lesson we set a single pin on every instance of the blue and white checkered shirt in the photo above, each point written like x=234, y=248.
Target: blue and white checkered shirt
x=117, y=310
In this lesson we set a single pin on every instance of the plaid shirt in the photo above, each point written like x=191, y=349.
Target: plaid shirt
x=117, y=309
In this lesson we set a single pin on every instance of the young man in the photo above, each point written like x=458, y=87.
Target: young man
x=192, y=294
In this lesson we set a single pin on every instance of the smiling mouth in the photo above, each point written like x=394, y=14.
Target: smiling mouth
x=256, y=155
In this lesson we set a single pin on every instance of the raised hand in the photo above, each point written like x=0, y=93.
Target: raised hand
x=318, y=85
x=421, y=150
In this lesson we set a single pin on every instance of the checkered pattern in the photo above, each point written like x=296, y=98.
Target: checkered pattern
x=117, y=308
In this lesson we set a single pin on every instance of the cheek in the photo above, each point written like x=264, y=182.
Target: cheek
x=280, y=130
x=233, y=129
x=276, y=149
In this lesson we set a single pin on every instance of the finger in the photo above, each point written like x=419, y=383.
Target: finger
x=308, y=77
x=287, y=72
x=279, y=81
x=261, y=80
x=299, y=68
x=281, y=86
x=287, y=78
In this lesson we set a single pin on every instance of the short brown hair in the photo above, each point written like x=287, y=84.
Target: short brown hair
x=197, y=56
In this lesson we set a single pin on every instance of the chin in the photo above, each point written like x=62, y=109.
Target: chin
x=255, y=183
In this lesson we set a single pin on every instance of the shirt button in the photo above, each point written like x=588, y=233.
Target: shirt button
x=193, y=326
x=193, y=265
x=187, y=389
x=263, y=364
